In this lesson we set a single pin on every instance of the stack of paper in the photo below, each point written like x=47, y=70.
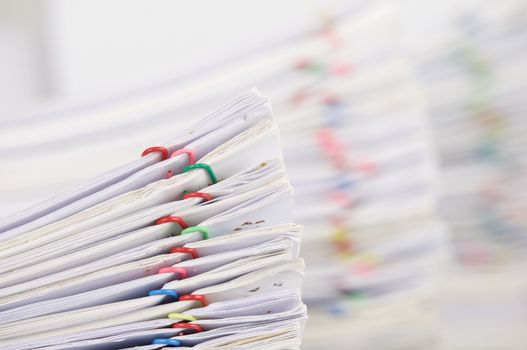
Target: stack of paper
x=360, y=159
x=476, y=83
x=190, y=245
x=357, y=149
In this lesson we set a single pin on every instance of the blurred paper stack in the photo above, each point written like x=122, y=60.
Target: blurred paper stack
x=475, y=81
x=476, y=84
x=357, y=144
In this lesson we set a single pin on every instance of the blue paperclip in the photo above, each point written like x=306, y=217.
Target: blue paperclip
x=167, y=341
x=169, y=292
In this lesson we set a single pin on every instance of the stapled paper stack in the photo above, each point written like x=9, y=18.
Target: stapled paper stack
x=190, y=245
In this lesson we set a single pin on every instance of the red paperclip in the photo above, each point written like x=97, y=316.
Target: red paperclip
x=197, y=297
x=162, y=150
x=191, y=158
x=331, y=100
x=173, y=269
x=184, y=325
x=176, y=219
x=186, y=250
x=302, y=63
x=205, y=196
x=190, y=153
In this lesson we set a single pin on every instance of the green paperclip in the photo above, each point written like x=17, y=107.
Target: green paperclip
x=204, y=230
x=183, y=317
x=203, y=166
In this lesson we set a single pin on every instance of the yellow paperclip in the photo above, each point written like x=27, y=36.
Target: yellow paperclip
x=183, y=317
